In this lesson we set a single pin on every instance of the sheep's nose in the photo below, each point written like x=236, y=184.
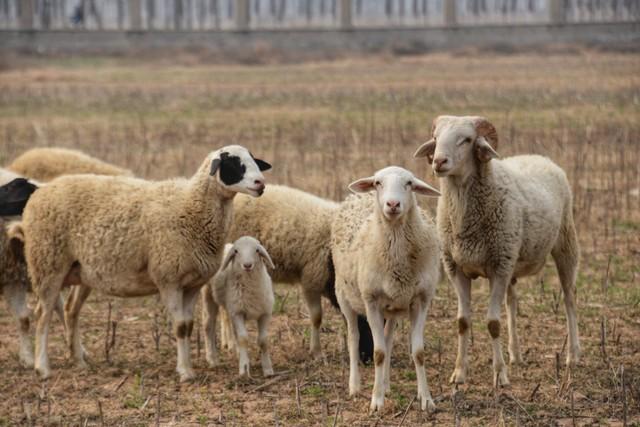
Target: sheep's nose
x=247, y=266
x=393, y=204
x=439, y=162
x=259, y=185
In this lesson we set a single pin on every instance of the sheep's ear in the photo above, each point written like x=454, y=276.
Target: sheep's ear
x=426, y=150
x=265, y=256
x=362, y=185
x=484, y=150
x=215, y=165
x=262, y=165
x=231, y=253
x=423, y=188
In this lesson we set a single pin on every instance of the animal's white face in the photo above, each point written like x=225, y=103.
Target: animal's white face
x=394, y=187
x=238, y=171
x=247, y=253
x=458, y=142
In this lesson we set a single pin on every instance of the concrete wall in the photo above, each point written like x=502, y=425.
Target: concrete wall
x=319, y=43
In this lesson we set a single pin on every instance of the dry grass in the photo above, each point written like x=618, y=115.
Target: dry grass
x=322, y=125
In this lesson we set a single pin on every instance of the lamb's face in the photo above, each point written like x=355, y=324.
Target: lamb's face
x=247, y=253
x=238, y=171
x=394, y=187
x=458, y=143
x=14, y=196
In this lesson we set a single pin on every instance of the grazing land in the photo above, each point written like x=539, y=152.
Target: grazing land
x=322, y=125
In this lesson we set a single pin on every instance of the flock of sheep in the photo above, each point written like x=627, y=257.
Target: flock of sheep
x=377, y=255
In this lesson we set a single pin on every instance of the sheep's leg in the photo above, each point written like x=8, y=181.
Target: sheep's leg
x=566, y=255
x=515, y=356
x=389, y=328
x=242, y=343
x=173, y=301
x=47, y=295
x=209, y=317
x=314, y=304
x=227, y=339
x=16, y=295
x=499, y=287
x=462, y=285
x=263, y=343
x=418, y=317
x=376, y=322
x=75, y=301
x=353, y=336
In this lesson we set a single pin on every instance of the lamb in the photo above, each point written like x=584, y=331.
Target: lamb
x=499, y=219
x=386, y=254
x=130, y=237
x=295, y=228
x=45, y=164
x=242, y=288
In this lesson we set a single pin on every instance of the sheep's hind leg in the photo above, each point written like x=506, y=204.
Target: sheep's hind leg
x=209, y=319
x=515, y=357
x=376, y=322
x=227, y=337
x=498, y=290
x=462, y=285
x=47, y=296
x=16, y=296
x=173, y=299
x=314, y=304
x=353, y=335
x=418, y=317
x=566, y=255
x=263, y=343
x=75, y=301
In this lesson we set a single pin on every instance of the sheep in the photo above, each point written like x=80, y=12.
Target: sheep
x=242, y=288
x=45, y=164
x=295, y=228
x=386, y=254
x=499, y=219
x=130, y=237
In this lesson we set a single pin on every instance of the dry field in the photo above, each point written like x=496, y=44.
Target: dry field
x=322, y=125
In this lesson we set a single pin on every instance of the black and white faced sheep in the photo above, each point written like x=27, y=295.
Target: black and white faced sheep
x=129, y=237
x=499, y=219
x=387, y=259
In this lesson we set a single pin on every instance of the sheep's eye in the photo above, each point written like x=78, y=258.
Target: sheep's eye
x=257, y=251
x=235, y=251
x=377, y=183
x=409, y=183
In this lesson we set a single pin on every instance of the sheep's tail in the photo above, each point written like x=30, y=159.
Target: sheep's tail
x=366, y=339
x=15, y=195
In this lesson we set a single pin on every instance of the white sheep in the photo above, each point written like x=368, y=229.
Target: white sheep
x=386, y=254
x=295, y=228
x=499, y=219
x=242, y=288
x=130, y=237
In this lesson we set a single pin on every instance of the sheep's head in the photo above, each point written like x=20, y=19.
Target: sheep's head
x=238, y=171
x=15, y=195
x=246, y=253
x=394, y=187
x=458, y=141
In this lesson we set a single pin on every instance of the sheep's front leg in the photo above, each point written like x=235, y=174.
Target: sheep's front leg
x=418, y=316
x=263, y=343
x=515, y=356
x=498, y=289
x=75, y=301
x=16, y=296
x=314, y=304
x=173, y=299
x=389, y=329
x=209, y=318
x=227, y=339
x=353, y=336
x=242, y=343
x=376, y=322
x=462, y=285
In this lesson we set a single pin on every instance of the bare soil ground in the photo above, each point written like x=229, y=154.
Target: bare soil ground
x=323, y=125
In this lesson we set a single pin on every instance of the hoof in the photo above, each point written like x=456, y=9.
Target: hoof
x=427, y=404
x=458, y=377
x=213, y=362
x=267, y=372
x=502, y=379
x=186, y=375
x=516, y=360
x=376, y=404
x=43, y=372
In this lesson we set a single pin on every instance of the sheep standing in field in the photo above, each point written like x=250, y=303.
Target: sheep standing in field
x=499, y=219
x=242, y=288
x=386, y=254
x=295, y=228
x=130, y=237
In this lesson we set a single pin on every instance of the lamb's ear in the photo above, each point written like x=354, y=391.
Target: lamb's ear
x=231, y=253
x=426, y=150
x=265, y=256
x=362, y=185
x=262, y=165
x=215, y=165
x=484, y=150
x=423, y=188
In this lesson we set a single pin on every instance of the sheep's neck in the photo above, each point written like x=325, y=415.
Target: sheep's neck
x=397, y=236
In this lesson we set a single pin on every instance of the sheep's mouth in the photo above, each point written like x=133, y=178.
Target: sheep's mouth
x=441, y=173
x=392, y=214
x=256, y=192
